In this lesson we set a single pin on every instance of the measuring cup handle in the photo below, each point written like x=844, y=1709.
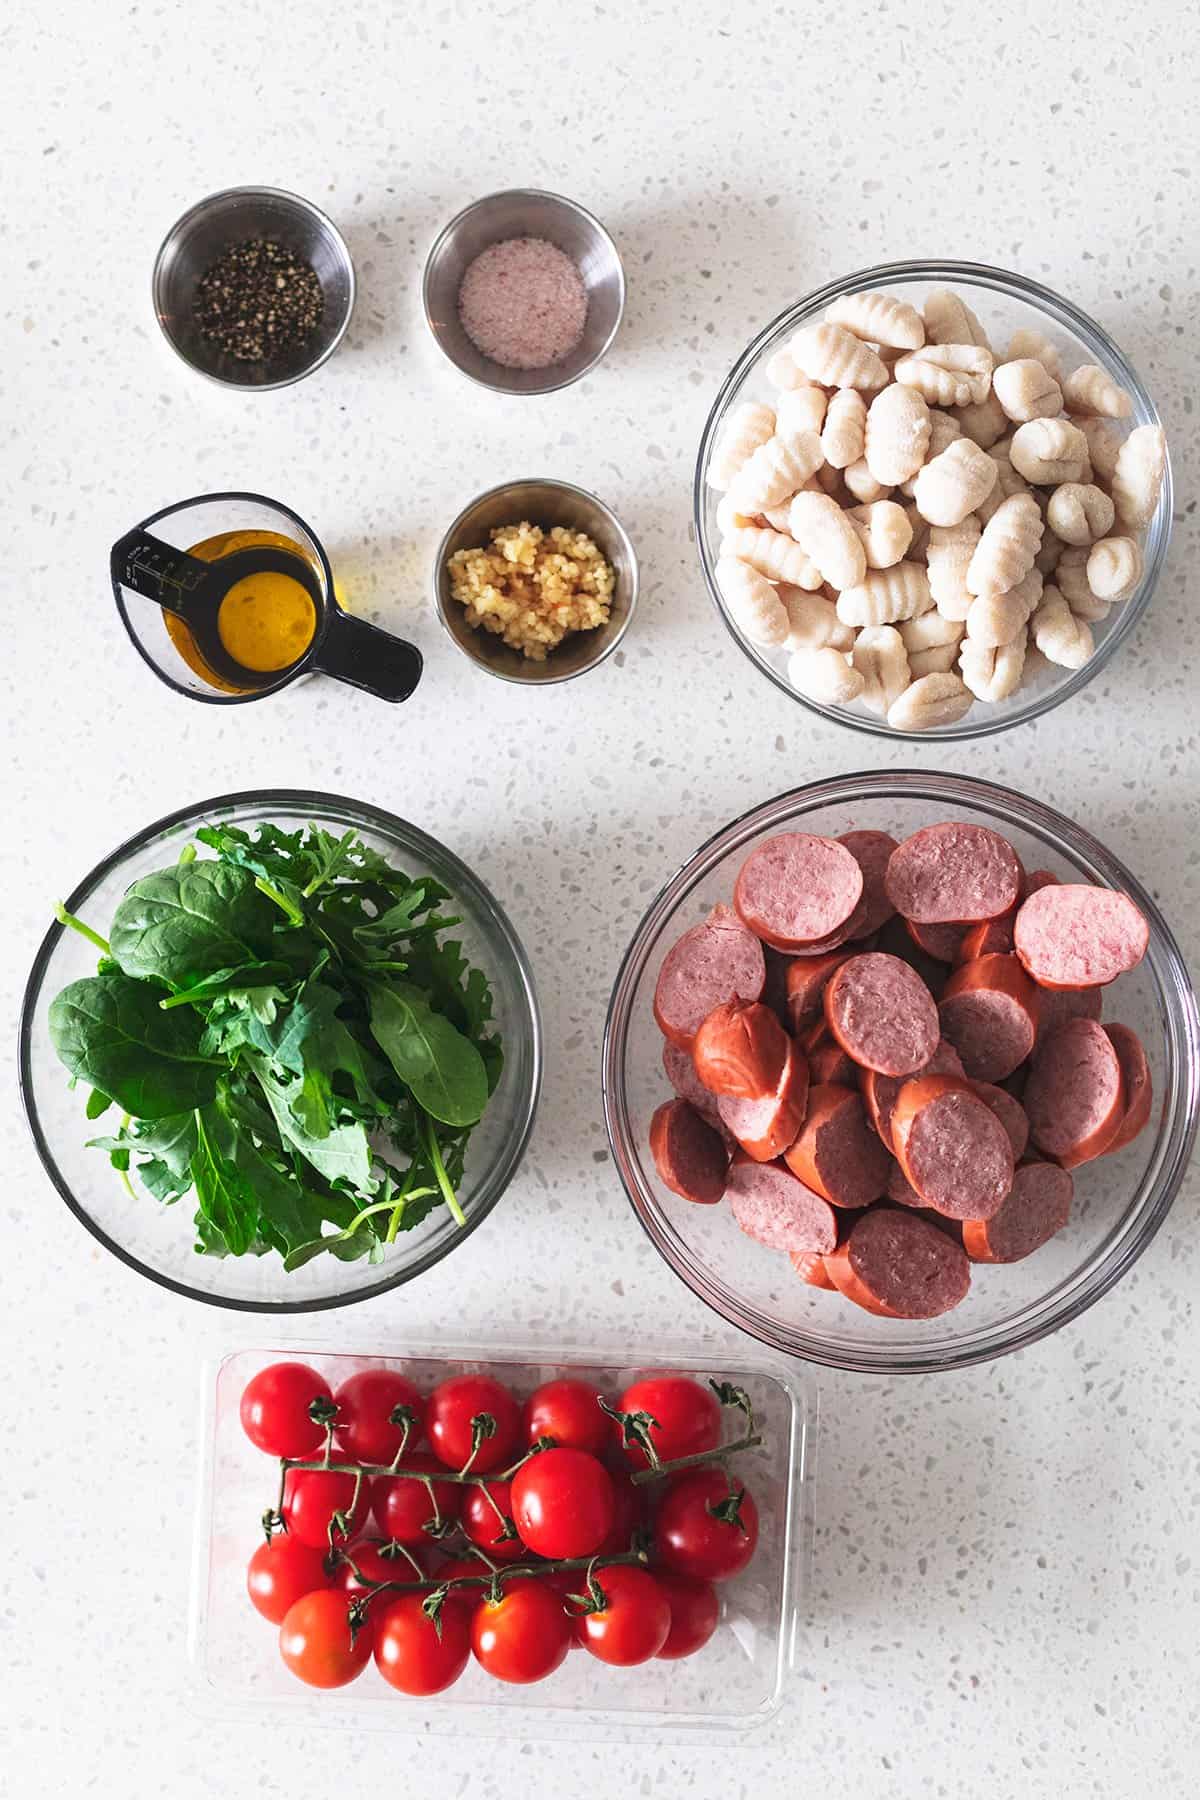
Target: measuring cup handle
x=352, y=650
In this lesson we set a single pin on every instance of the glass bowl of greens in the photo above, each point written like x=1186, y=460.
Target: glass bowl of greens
x=280, y=1051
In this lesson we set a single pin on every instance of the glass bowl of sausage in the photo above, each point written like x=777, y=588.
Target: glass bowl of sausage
x=1021, y=652
x=1089, y=1174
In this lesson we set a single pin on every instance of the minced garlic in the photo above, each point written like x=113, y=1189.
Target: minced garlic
x=532, y=588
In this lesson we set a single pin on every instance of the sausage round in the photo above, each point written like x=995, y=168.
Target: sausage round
x=898, y=1265
x=872, y=851
x=882, y=1014
x=836, y=1153
x=805, y=983
x=953, y=873
x=879, y=1092
x=1072, y=935
x=1139, y=1088
x=942, y=942
x=828, y=1062
x=992, y=937
x=1038, y=1206
x=1010, y=1112
x=951, y=1146
x=715, y=961
x=772, y=1206
x=1057, y=1005
x=811, y=1268
x=796, y=889
x=1075, y=1094
x=688, y=1153
x=765, y=1128
x=680, y=1071
x=988, y=1010
x=740, y=1050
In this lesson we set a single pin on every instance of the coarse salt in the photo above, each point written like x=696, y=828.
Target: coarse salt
x=522, y=303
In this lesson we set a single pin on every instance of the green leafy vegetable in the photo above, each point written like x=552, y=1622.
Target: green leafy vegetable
x=192, y=920
x=111, y=1032
x=443, y=1069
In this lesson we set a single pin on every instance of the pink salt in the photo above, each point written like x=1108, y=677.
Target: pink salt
x=523, y=303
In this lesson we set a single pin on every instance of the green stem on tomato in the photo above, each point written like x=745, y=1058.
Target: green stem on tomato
x=439, y=1170
x=93, y=937
x=701, y=1457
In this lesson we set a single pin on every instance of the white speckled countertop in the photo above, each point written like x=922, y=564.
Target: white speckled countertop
x=1006, y=1586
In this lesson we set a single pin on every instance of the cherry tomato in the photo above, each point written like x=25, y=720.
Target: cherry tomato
x=483, y=1527
x=282, y=1572
x=524, y=1635
x=412, y=1654
x=688, y=1417
x=373, y=1565
x=562, y=1503
x=569, y=1412
x=695, y=1610
x=634, y=1622
x=365, y=1404
x=314, y=1640
x=629, y=1511
x=275, y=1407
x=688, y=1536
x=452, y=1406
x=311, y=1497
x=467, y=1598
x=403, y=1508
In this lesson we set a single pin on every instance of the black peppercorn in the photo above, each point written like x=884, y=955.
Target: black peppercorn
x=258, y=300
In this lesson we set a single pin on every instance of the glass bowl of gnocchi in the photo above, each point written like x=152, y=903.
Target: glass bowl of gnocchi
x=932, y=500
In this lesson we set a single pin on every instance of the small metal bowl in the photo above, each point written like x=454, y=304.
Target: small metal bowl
x=544, y=503
x=524, y=212
x=204, y=232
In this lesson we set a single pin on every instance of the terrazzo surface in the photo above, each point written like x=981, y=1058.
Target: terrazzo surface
x=1005, y=1587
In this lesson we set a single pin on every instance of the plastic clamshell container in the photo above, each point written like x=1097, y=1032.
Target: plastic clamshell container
x=734, y=1685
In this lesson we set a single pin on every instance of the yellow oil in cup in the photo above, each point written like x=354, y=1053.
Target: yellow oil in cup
x=265, y=621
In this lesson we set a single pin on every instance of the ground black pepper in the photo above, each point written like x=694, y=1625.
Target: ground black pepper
x=257, y=300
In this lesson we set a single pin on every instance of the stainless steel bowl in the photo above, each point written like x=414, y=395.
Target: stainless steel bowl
x=524, y=212
x=544, y=503
x=204, y=232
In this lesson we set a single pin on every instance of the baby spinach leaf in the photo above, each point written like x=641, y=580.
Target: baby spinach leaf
x=443, y=1069
x=110, y=1032
x=97, y=1104
x=253, y=982
x=223, y=1193
x=341, y=1154
x=192, y=920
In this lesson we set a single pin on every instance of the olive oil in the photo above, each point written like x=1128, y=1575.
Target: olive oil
x=265, y=621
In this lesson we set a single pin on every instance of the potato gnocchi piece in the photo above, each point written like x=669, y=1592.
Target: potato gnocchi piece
x=1025, y=342
x=862, y=484
x=828, y=538
x=845, y=430
x=1026, y=390
x=1005, y=552
x=1091, y=389
x=884, y=596
x=949, y=554
x=948, y=374
x=879, y=319
x=747, y=426
x=784, y=372
x=996, y=619
x=1114, y=568
x=776, y=471
x=984, y=424
x=1059, y=635
x=1080, y=513
x=730, y=517
x=993, y=674
x=882, y=661
x=1046, y=560
x=1138, y=476
x=813, y=623
x=897, y=436
x=836, y=358
x=1104, y=442
x=1048, y=452
x=753, y=604
x=800, y=409
x=939, y=659
x=944, y=429
x=940, y=698
x=825, y=676
x=1070, y=577
x=773, y=554
x=929, y=631
x=955, y=483
x=883, y=530
x=1090, y=608
x=949, y=320
x=1008, y=483
x=920, y=532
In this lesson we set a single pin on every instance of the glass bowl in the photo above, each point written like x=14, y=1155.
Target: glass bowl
x=1004, y=302
x=1120, y=1201
x=158, y=1240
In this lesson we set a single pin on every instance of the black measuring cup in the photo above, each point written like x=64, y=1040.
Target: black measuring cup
x=169, y=600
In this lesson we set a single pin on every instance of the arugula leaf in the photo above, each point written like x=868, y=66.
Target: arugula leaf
x=192, y=920
x=442, y=1068
x=110, y=1032
x=340, y=1154
x=255, y=981
x=223, y=1193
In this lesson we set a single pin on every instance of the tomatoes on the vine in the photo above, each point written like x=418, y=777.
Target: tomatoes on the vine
x=524, y=1635
x=695, y=1610
x=563, y=1503
x=315, y=1640
x=403, y=1508
x=371, y=1558
x=453, y=1407
x=487, y=1520
x=569, y=1412
x=466, y=1597
x=629, y=1512
x=687, y=1417
x=314, y=1498
x=414, y=1654
x=703, y=1528
x=632, y=1624
x=275, y=1409
x=365, y=1404
x=282, y=1572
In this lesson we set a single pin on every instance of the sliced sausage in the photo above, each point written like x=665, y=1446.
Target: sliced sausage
x=1010, y=1112
x=806, y=978
x=882, y=1014
x=1075, y=1094
x=897, y=940
x=765, y=1128
x=1072, y=935
x=715, y=961
x=879, y=1091
x=811, y=1268
x=796, y=889
x=837, y=1154
x=953, y=873
x=1139, y=1088
x=942, y=942
x=680, y=1071
x=1039, y=878
x=952, y=1147
x=988, y=1010
x=688, y=1153
x=1057, y=1005
x=872, y=851
x=771, y=1205
x=901, y=1192
x=740, y=1050
x=828, y=1062
x=1038, y=1206
x=992, y=937
x=897, y=1264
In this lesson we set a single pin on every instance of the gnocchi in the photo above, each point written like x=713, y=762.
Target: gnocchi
x=1027, y=343
x=984, y=424
x=884, y=531
x=879, y=319
x=994, y=619
x=1138, y=476
x=994, y=673
x=1026, y=390
x=881, y=659
x=955, y=483
x=951, y=548
x=825, y=676
x=748, y=426
x=949, y=320
x=773, y=554
x=843, y=438
x=937, y=660
x=884, y=596
x=775, y=471
x=800, y=409
x=897, y=435
x=836, y=358
x=1091, y=389
x=812, y=621
x=828, y=539
x=1059, y=635
x=1079, y=512
x=1048, y=452
x=948, y=374
x=940, y=698
x=754, y=605
x=944, y=428
x=862, y=484
x=1114, y=568
x=1007, y=547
